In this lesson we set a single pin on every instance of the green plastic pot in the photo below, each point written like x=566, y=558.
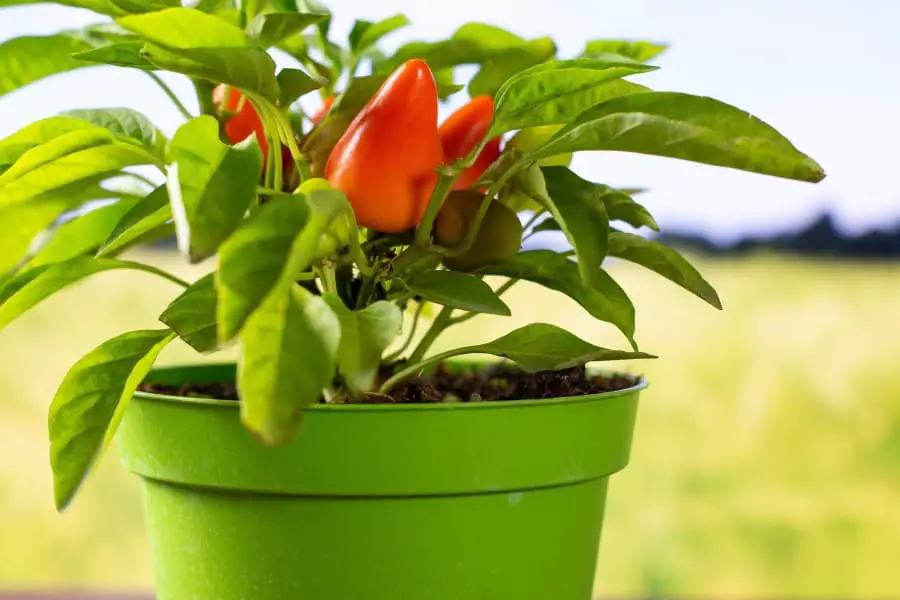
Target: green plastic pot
x=481, y=501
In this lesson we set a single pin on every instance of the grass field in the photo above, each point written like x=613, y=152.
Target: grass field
x=766, y=461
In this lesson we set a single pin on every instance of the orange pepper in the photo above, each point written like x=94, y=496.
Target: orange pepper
x=462, y=131
x=245, y=122
x=386, y=162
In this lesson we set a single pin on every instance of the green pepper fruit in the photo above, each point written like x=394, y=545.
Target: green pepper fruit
x=531, y=138
x=312, y=184
x=498, y=239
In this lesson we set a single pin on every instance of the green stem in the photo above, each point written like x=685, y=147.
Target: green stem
x=412, y=333
x=437, y=327
x=531, y=222
x=472, y=232
x=365, y=292
x=329, y=281
x=415, y=366
x=157, y=271
x=168, y=91
x=143, y=179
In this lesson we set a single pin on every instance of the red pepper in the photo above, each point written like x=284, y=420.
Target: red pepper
x=386, y=162
x=245, y=121
x=465, y=129
x=326, y=106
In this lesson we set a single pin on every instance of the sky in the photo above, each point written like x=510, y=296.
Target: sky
x=823, y=72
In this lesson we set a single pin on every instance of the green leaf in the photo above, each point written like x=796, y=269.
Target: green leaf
x=578, y=207
x=458, y=290
x=25, y=60
x=112, y=8
x=663, y=260
x=687, y=127
x=71, y=157
x=191, y=42
x=366, y=33
x=27, y=289
x=269, y=29
x=81, y=235
x=288, y=351
x=120, y=54
x=636, y=50
x=620, y=206
x=150, y=219
x=280, y=241
x=473, y=43
x=365, y=334
x=605, y=300
x=22, y=222
x=556, y=92
x=126, y=125
x=211, y=185
x=295, y=83
x=35, y=134
x=192, y=315
x=535, y=347
x=496, y=70
x=90, y=403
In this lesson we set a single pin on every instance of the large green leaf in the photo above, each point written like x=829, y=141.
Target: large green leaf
x=535, y=347
x=366, y=33
x=605, y=300
x=497, y=69
x=473, y=43
x=22, y=222
x=458, y=290
x=288, y=355
x=81, y=235
x=35, y=134
x=71, y=157
x=211, y=185
x=27, y=289
x=275, y=246
x=269, y=29
x=192, y=315
x=112, y=8
x=663, y=260
x=25, y=60
x=148, y=220
x=556, y=92
x=120, y=54
x=365, y=334
x=634, y=49
x=90, y=403
x=578, y=207
x=683, y=126
x=188, y=41
x=126, y=125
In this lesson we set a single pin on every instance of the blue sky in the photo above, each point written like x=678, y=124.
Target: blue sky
x=824, y=72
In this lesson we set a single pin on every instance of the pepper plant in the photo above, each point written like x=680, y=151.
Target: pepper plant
x=321, y=231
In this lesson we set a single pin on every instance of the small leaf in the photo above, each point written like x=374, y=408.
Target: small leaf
x=294, y=83
x=90, y=403
x=188, y=41
x=578, y=207
x=663, y=260
x=211, y=185
x=25, y=60
x=458, y=290
x=288, y=350
x=640, y=51
x=620, y=206
x=28, y=288
x=148, y=220
x=605, y=300
x=269, y=29
x=112, y=8
x=682, y=126
x=81, y=235
x=496, y=70
x=366, y=33
x=192, y=315
x=556, y=92
x=365, y=334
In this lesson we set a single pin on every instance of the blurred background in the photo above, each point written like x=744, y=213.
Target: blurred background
x=767, y=456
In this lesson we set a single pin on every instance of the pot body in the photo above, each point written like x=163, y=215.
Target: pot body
x=487, y=501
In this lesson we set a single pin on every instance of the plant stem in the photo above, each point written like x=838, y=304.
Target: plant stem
x=412, y=333
x=168, y=91
x=142, y=179
x=437, y=327
x=443, y=187
x=421, y=364
x=329, y=282
x=365, y=292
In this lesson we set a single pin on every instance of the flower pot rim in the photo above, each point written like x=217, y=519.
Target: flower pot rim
x=640, y=385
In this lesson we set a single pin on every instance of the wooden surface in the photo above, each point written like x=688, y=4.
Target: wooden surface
x=73, y=596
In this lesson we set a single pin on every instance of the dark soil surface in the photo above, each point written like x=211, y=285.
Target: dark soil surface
x=495, y=384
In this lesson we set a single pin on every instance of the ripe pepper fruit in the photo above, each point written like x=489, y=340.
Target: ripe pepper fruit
x=499, y=236
x=462, y=131
x=326, y=106
x=529, y=139
x=245, y=121
x=386, y=161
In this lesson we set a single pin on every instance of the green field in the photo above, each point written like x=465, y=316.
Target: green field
x=766, y=460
